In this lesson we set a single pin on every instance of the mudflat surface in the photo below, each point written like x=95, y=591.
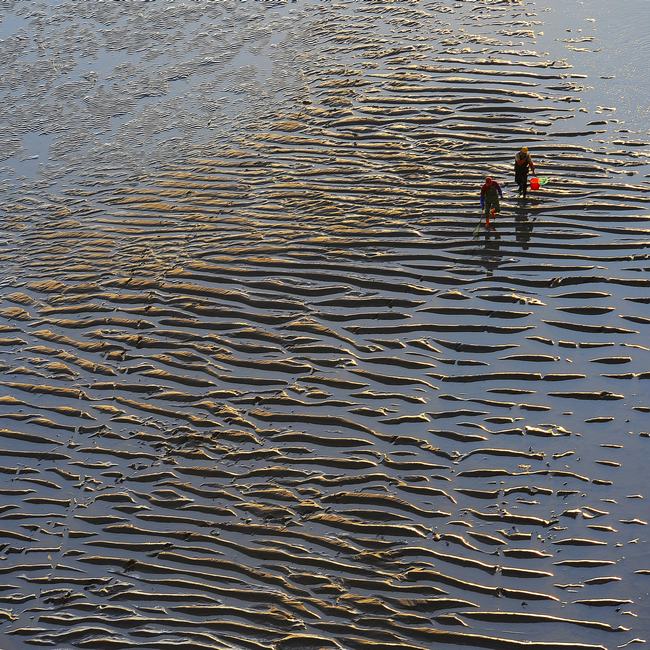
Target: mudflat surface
x=261, y=388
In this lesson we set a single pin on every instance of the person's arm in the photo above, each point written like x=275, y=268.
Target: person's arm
x=499, y=191
x=531, y=164
x=482, y=198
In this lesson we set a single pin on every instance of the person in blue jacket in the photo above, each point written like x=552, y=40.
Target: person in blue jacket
x=490, y=195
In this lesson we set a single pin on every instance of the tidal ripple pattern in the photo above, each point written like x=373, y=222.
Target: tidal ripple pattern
x=276, y=396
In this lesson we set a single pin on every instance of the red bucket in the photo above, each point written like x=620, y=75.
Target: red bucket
x=534, y=183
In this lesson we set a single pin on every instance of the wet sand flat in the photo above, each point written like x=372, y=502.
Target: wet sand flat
x=261, y=387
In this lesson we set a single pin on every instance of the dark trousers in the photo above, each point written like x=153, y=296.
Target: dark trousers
x=521, y=178
x=489, y=204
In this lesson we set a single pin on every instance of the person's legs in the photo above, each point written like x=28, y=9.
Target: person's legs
x=521, y=178
x=489, y=205
x=522, y=182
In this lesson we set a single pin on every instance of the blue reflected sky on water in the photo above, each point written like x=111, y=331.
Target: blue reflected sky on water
x=608, y=42
x=616, y=60
x=167, y=88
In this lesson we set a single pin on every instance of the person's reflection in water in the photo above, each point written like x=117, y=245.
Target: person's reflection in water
x=491, y=249
x=523, y=227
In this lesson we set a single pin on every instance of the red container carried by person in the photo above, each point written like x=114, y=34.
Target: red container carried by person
x=534, y=183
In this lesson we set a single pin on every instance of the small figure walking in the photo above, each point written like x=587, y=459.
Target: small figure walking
x=523, y=162
x=490, y=194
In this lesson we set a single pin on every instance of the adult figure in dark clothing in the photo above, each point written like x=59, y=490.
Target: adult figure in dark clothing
x=490, y=194
x=523, y=162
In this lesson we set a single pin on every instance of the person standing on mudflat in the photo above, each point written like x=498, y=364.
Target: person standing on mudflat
x=490, y=194
x=523, y=162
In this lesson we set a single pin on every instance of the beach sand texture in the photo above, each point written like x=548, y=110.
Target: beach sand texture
x=261, y=388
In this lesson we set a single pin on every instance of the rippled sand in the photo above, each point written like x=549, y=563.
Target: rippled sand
x=272, y=394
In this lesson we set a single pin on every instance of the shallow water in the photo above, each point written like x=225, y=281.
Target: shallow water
x=262, y=387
